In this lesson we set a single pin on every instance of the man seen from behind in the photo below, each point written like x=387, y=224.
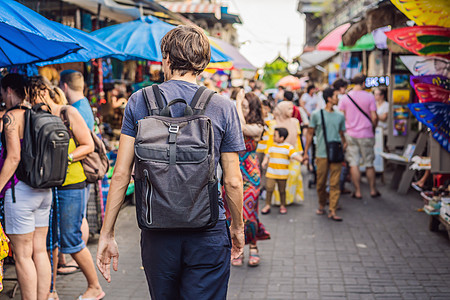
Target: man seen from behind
x=182, y=264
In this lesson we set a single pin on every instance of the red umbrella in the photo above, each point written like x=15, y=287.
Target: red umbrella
x=332, y=40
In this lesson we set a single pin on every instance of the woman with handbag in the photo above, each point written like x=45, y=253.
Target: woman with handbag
x=329, y=127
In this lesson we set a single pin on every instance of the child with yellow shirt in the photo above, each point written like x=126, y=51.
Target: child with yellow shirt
x=277, y=162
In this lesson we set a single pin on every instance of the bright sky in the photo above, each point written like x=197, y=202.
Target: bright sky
x=267, y=25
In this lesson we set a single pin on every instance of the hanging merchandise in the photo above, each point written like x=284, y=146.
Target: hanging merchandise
x=354, y=67
x=425, y=12
x=400, y=113
x=431, y=93
x=376, y=65
x=437, y=80
x=420, y=65
x=423, y=40
x=435, y=116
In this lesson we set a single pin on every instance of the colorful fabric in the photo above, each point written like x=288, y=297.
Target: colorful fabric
x=251, y=175
x=294, y=189
x=4, y=251
x=279, y=159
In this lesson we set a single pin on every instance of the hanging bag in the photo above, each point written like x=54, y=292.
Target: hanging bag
x=335, y=152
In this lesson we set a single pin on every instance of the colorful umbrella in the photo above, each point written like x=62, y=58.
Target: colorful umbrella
x=425, y=12
x=141, y=38
x=366, y=42
x=27, y=37
x=290, y=81
x=423, y=40
x=435, y=116
x=421, y=65
x=331, y=41
x=431, y=93
x=93, y=47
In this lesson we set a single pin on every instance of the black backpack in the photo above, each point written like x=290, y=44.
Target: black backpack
x=176, y=186
x=45, y=145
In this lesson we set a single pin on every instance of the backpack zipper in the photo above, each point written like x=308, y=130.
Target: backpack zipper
x=149, y=200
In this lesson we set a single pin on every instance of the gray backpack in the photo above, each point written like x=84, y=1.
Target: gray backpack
x=176, y=186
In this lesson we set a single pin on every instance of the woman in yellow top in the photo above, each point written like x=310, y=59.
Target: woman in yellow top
x=282, y=114
x=71, y=194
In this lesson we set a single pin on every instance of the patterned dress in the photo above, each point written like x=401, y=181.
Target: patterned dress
x=249, y=164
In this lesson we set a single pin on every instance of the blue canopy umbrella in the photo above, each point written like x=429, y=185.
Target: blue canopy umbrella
x=27, y=37
x=93, y=47
x=141, y=38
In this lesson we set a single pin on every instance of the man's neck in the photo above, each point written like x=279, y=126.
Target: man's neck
x=189, y=77
x=74, y=97
x=329, y=107
x=358, y=87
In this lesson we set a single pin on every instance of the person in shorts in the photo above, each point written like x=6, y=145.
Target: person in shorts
x=360, y=134
x=26, y=209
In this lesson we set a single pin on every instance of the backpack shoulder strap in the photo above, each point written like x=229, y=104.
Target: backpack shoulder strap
x=153, y=99
x=201, y=100
x=66, y=120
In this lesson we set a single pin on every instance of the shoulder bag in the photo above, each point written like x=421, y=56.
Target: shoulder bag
x=335, y=152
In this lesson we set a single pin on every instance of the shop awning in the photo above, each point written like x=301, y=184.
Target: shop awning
x=109, y=9
x=237, y=59
x=190, y=8
x=364, y=43
x=313, y=58
x=331, y=41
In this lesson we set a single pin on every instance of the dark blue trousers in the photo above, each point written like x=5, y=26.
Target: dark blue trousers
x=187, y=265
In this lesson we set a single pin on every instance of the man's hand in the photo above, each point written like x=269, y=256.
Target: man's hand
x=237, y=241
x=107, y=249
x=305, y=158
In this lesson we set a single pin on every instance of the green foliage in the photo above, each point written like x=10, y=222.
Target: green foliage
x=274, y=71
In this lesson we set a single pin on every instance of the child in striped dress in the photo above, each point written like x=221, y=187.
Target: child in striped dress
x=277, y=162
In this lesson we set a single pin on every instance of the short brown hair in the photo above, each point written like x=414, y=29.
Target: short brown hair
x=359, y=79
x=188, y=49
x=74, y=80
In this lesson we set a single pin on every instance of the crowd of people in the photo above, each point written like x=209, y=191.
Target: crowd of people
x=27, y=210
x=261, y=142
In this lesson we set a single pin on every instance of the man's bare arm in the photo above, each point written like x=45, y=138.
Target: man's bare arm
x=234, y=190
x=107, y=246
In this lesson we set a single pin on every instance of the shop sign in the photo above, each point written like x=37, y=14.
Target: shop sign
x=377, y=81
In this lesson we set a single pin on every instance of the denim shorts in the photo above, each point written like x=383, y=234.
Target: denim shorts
x=70, y=206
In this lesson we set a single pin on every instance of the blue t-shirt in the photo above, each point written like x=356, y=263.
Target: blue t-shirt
x=222, y=112
x=85, y=111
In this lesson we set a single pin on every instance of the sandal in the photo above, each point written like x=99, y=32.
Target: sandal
x=283, y=210
x=320, y=211
x=238, y=262
x=253, y=260
x=356, y=197
x=335, y=218
x=265, y=211
x=61, y=272
x=99, y=297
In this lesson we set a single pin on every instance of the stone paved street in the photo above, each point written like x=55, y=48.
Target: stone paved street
x=382, y=250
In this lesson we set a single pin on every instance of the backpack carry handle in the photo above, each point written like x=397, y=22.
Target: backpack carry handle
x=165, y=112
x=38, y=107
